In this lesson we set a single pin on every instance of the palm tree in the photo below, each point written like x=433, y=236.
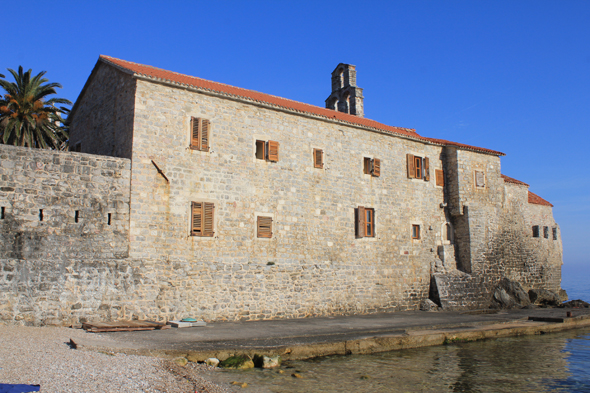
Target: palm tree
x=27, y=117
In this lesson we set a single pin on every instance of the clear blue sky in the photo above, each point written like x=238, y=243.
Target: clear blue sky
x=513, y=76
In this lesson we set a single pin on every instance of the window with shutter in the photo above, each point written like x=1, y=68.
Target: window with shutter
x=440, y=177
x=264, y=227
x=416, y=232
x=426, y=169
x=202, y=219
x=367, y=166
x=360, y=222
x=364, y=222
x=318, y=158
x=200, y=134
x=418, y=167
x=273, y=151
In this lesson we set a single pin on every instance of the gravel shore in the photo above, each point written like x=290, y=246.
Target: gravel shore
x=42, y=356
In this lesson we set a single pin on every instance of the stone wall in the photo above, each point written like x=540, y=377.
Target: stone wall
x=102, y=118
x=42, y=195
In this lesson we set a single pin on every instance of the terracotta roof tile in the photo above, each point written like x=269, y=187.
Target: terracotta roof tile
x=508, y=179
x=537, y=200
x=203, y=84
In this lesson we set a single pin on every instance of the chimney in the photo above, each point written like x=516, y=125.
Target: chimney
x=346, y=97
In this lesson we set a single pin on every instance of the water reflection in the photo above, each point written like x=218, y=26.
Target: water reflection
x=549, y=363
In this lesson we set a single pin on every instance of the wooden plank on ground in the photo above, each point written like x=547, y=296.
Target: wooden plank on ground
x=121, y=326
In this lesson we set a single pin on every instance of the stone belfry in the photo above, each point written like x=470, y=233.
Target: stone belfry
x=346, y=96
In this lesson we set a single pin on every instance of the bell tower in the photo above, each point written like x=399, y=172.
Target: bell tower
x=346, y=97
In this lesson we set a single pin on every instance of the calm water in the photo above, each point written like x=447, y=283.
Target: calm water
x=549, y=363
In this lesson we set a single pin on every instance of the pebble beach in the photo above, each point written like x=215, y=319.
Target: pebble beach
x=43, y=356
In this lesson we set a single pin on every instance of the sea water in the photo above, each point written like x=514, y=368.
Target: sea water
x=558, y=362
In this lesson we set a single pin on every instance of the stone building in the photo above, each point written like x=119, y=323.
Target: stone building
x=186, y=197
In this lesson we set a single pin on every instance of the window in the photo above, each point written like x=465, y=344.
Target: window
x=535, y=231
x=3, y=212
x=202, y=214
x=200, y=132
x=78, y=147
x=416, y=232
x=318, y=158
x=372, y=166
x=418, y=167
x=77, y=216
x=267, y=150
x=365, y=222
x=554, y=233
x=264, y=225
x=440, y=177
x=546, y=232
x=480, y=179
x=40, y=214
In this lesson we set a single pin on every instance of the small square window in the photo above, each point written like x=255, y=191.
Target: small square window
x=415, y=231
x=267, y=150
x=264, y=227
x=535, y=231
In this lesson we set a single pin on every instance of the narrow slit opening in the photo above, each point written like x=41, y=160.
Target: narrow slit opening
x=77, y=215
x=109, y=219
x=2, y=211
x=40, y=214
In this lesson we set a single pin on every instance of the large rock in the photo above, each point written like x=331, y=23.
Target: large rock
x=575, y=304
x=239, y=362
x=544, y=297
x=510, y=294
x=263, y=361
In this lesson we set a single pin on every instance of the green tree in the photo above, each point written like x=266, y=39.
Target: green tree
x=27, y=117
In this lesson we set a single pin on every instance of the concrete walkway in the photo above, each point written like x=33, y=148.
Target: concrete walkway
x=310, y=337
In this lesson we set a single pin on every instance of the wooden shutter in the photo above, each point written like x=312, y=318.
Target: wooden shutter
x=197, y=219
x=205, y=127
x=318, y=158
x=426, y=169
x=273, y=151
x=208, y=216
x=440, y=177
x=376, y=167
x=194, y=133
x=411, y=168
x=361, y=223
x=264, y=226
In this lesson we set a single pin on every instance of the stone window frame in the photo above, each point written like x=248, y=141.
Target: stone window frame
x=360, y=223
x=485, y=180
x=266, y=143
x=198, y=145
x=424, y=161
x=274, y=232
x=449, y=230
x=368, y=166
x=189, y=219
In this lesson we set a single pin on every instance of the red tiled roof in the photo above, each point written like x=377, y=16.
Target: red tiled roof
x=203, y=84
x=537, y=200
x=508, y=179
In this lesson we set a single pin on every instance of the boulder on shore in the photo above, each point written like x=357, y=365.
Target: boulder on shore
x=575, y=304
x=510, y=294
x=239, y=362
x=263, y=361
x=544, y=297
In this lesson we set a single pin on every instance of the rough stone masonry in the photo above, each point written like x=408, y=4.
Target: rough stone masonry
x=362, y=217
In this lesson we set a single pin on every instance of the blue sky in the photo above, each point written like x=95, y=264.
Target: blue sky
x=512, y=76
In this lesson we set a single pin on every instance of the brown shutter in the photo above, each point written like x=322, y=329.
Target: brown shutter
x=411, y=168
x=196, y=221
x=264, y=227
x=361, y=222
x=194, y=133
x=273, y=151
x=318, y=158
x=205, y=126
x=208, y=216
x=440, y=177
x=426, y=169
x=376, y=167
